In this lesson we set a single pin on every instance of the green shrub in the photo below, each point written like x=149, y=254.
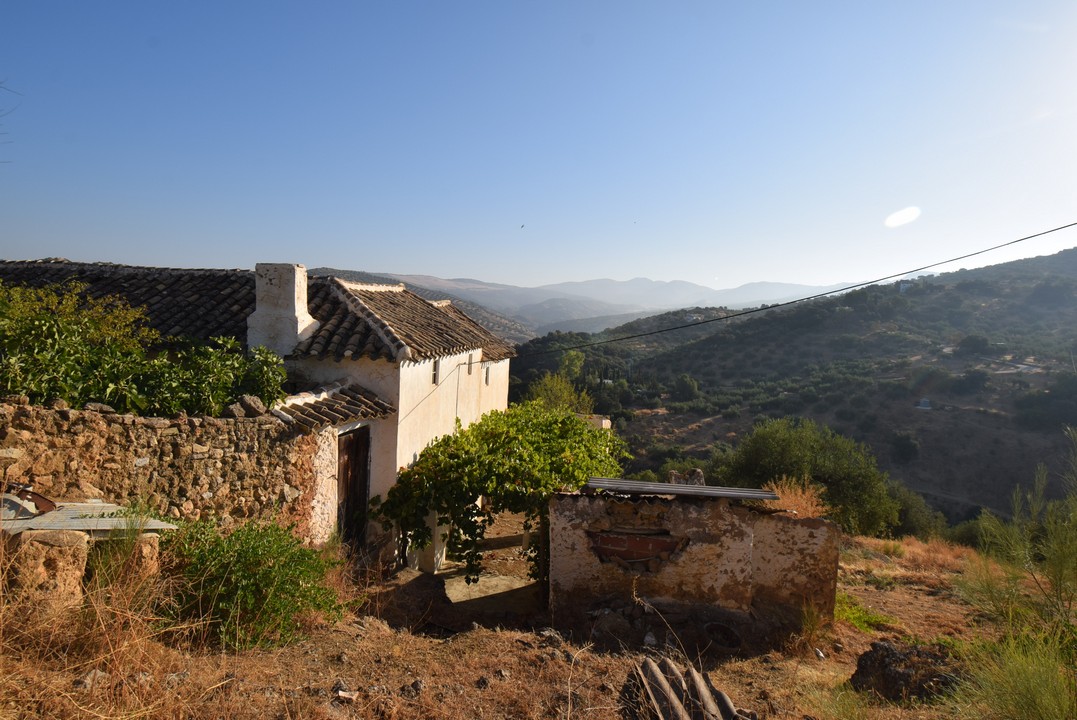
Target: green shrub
x=515, y=459
x=250, y=588
x=57, y=343
x=915, y=516
x=1018, y=679
x=854, y=487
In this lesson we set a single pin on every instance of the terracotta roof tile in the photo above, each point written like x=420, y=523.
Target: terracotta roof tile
x=334, y=405
x=199, y=304
x=376, y=321
x=414, y=328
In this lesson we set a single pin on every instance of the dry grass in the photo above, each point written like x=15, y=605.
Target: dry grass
x=796, y=497
x=397, y=671
x=937, y=555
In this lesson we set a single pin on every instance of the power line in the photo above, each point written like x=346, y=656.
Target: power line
x=752, y=311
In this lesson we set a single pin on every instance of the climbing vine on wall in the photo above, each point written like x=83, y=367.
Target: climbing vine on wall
x=514, y=459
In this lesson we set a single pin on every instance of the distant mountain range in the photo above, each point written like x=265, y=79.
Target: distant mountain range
x=586, y=305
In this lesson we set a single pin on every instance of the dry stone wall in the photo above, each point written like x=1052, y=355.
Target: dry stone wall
x=183, y=467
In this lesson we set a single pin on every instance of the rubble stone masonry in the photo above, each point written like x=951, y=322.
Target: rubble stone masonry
x=183, y=467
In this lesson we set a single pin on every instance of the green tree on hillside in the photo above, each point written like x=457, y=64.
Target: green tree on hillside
x=557, y=392
x=853, y=486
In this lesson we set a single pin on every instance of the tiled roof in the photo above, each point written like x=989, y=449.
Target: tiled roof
x=199, y=304
x=375, y=321
x=334, y=405
x=391, y=322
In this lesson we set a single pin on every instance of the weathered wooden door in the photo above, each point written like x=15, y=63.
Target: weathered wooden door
x=353, y=484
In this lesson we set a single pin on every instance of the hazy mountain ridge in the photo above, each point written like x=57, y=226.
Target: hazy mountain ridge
x=562, y=306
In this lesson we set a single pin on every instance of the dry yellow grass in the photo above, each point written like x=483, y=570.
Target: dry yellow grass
x=796, y=497
x=416, y=669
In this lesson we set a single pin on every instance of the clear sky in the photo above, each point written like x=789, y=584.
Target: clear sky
x=718, y=142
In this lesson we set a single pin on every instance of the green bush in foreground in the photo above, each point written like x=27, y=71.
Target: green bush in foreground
x=250, y=588
x=1031, y=591
x=1017, y=679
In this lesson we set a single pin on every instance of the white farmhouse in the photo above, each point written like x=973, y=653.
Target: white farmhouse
x=376, y=371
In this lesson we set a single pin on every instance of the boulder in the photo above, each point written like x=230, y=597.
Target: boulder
x=901, y=671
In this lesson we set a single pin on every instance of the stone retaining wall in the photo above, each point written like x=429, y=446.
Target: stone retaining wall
x=183, y=467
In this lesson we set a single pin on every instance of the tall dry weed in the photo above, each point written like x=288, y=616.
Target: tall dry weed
x=797, y=497
x=97, y=657
x=936, y=555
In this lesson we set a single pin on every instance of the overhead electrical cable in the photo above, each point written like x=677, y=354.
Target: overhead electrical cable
x=752, y=311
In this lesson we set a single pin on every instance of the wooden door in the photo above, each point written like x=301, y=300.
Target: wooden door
x=353, y=484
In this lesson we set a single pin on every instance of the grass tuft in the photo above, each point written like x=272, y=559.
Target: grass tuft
x=849, y=609
x=1026, y=678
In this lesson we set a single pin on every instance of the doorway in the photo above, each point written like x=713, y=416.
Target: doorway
x=353, y=485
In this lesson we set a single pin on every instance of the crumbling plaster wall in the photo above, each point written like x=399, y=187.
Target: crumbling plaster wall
x=687, y=552
x=183, y=467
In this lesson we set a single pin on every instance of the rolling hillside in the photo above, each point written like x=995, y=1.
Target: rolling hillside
x=989, y=350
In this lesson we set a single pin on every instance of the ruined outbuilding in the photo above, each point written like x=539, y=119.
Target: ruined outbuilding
x=648, y=563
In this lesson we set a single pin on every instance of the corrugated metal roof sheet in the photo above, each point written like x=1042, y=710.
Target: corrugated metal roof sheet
x=636, y=487
x=99, y=519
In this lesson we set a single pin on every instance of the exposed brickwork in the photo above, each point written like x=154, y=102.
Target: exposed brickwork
x=707, y=564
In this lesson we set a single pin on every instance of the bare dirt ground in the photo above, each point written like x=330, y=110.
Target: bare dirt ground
x=408, y=651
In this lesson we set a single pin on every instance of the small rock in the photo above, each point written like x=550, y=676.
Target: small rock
x=412, y=691
x=900, y=671
x=235, y=410
x=347, y=696
x=649, y=639
x=92, y=678
x=252, y=405
x=176, y=678
x=340, y=686
x=482, y=683
x=819, y=654
x=550, y=638
x=502, y=674
x=838, y=647
x=99, y=408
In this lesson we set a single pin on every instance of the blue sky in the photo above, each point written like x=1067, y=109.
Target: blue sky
x=715, y=142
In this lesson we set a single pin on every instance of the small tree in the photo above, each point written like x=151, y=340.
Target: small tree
x=685, y=388
x=853, y=486
x=556, y=392
x=515, y=459
x=56, y=343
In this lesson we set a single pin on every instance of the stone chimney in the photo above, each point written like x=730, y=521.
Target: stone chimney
x=280, y=319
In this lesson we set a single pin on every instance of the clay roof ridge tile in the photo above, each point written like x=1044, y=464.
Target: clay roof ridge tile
x=384, y=331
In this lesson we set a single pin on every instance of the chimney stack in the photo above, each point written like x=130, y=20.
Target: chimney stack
x=280, y=319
